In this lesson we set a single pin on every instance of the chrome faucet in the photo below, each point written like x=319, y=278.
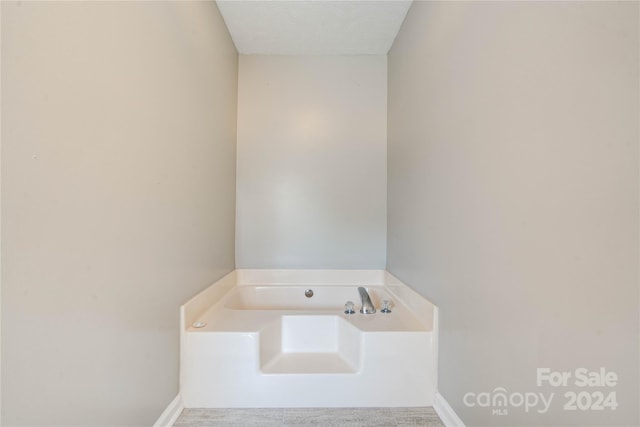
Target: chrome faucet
x=367, y=305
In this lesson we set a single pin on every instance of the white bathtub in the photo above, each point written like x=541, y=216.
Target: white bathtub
x=266, y=344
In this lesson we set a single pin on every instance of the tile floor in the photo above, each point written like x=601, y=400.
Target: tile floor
x=298, y=417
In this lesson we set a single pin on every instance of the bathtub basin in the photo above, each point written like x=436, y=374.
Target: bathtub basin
x=292, y=297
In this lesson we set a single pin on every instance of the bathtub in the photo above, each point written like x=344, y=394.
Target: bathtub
x=255, y=339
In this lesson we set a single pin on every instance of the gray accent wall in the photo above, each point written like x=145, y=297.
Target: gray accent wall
x=118, y=201
x=312, y=160
x=513, y=196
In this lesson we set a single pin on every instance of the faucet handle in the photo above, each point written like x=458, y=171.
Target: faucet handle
x=349, y=307
x=386, y=306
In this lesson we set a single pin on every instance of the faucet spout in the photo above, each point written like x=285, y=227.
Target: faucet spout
x=367, y=305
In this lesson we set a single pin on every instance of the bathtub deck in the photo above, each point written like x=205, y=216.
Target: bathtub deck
x=327, y=417
x=222, y=319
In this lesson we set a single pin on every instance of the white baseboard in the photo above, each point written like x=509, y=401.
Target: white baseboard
x=171, y=414
x=446, y=412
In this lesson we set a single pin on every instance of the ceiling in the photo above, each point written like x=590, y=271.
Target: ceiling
x=313, y=27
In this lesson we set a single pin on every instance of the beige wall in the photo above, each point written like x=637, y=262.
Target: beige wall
x=118, y=154
x=311, y=162
x=513, y=194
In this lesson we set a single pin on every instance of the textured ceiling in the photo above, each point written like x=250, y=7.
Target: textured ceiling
x=313, y=27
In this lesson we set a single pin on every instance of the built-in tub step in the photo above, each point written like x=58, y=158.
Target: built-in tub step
x=308, y=363
x=310, y=344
